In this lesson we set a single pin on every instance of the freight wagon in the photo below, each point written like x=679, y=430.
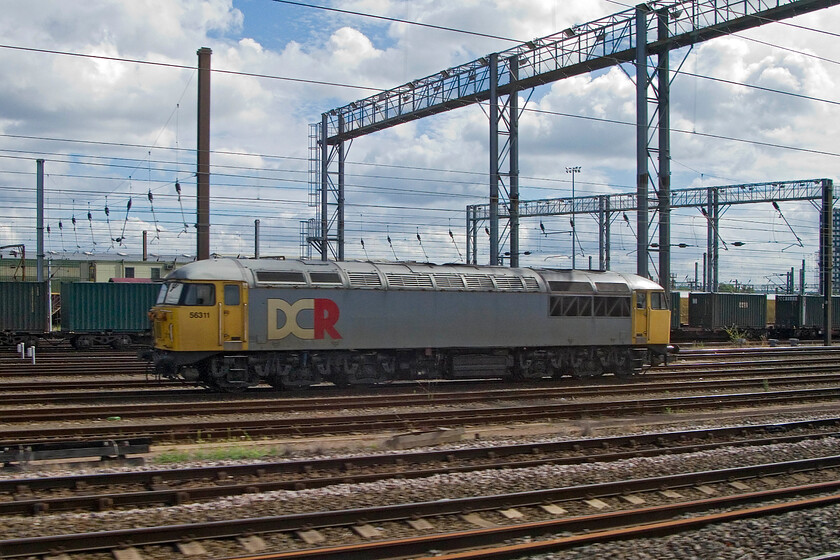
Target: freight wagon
x=803, y=316
x=85, y=314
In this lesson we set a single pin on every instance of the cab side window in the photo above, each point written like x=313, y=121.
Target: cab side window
x=198, y=294
x=657, y=300
x=641, y=300
x=231, y=294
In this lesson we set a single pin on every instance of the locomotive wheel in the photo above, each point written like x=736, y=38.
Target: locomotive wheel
x=586, y=365
x=297, y=378
x=360, y=370
x=221, y=373
x=121, y=342
x=531, y=366
x=624, y=364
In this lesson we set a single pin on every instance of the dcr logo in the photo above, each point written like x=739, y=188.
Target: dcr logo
x=324, y=318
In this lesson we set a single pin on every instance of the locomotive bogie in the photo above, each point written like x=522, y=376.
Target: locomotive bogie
x=233, y=323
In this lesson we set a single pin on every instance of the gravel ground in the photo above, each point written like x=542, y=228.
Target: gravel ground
x=793, y=535
x=439, y=487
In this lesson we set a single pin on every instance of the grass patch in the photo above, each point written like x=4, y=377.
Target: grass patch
x=219, y=454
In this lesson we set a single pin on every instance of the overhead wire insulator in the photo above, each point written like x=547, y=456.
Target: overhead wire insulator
x=790, y=227
x=183, y=216
x=154, y=216
x=420, y=241
x=108, y=221
x=392, y=247
x=75, y=233
x=121, y=238
x=452, y=237
x=90, y=226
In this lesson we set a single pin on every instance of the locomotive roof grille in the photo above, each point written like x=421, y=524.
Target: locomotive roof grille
x=476, y=282
x=449, y=281
x=409, y=280
x=280, y=277
x=364, y=279
x=612, y=288
x=531, y=284
x=508, y=282
x=567, y=286
x=325, y=277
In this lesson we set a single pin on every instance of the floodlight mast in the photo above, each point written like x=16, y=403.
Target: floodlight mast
x=609, y=41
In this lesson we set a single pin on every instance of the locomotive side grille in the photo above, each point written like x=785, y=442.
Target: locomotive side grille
x=449, y=281
x=364, y=279
x=508, y=282
x=571, y=306
x=586, y=306
x=475, y=282
x=409, y=280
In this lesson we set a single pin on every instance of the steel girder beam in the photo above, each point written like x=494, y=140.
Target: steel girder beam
x=664, y=171
x=827, y=255
x=642, y=145
x=504, y=145
x=326, y=194
x=748, y=193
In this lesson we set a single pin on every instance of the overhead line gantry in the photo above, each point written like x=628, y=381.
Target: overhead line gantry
x=712, y=202
x=498, y=77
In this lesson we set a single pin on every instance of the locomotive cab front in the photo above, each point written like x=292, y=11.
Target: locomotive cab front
x=652, y=322
x=194, y=321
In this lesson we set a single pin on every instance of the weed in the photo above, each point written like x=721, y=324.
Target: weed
x=736, y=335
x=172, y=457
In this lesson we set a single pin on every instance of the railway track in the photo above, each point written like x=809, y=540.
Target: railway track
x=172, y=403
x=190, y=428
x=57, y=364
x=272, y=401
x=97, y=492
x=415, y=528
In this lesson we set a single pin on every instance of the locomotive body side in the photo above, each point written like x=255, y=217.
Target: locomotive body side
x=232, y=324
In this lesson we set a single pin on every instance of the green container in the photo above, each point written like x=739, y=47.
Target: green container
x=790, y=311
x=23, y=307
x=675, y=310
x=106, y=306
x=805, y=311
x=720, y=310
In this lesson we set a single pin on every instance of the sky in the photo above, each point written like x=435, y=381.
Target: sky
x=114, y=129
